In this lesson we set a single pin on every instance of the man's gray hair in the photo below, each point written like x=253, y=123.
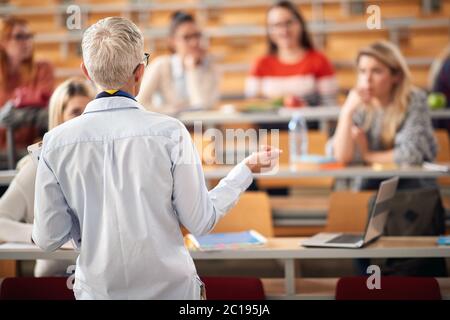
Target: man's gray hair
x=112, y=49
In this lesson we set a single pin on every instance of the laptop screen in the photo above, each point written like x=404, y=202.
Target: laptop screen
x=380, y=211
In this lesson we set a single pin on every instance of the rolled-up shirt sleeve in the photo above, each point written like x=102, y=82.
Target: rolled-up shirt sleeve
x=52, y=221
x=197, y=208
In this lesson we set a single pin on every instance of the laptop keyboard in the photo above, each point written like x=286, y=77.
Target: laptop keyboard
x=346, y=238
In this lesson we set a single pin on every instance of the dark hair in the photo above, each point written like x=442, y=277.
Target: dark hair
x=304, y=39
x=178, y=18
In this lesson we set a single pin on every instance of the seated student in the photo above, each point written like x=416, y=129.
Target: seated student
x=440, y=82
x=186, y=79
x=292, y=68
x=25, y=84
x=17, y=204
x=384, y=119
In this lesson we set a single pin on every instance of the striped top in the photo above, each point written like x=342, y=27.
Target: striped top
x=312, y=79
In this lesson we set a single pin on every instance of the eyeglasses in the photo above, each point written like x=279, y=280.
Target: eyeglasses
x=192, y=36
x=285, y=24
x=144, y=61
x=22, y=36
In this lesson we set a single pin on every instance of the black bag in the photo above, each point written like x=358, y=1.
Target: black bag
x=417, y=212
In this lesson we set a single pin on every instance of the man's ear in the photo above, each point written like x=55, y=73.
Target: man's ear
x=84, y=70
x=139, y=74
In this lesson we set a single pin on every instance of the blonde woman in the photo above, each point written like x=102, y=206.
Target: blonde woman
x=384, y=119
x=16, y=205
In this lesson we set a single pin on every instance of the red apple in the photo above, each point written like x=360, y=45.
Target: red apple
x=293, y=102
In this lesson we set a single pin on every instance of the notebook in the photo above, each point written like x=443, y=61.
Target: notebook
x=225, y=241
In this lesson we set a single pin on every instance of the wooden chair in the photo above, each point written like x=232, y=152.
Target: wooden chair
x=8, y=268
x=251, y=212
x=443, y=142
x=348, y=211
x=443, y=154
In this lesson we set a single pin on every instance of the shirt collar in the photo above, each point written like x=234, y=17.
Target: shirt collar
x=111, y=103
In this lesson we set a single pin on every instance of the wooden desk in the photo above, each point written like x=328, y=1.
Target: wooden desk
x=285, y=171
x=217, y=117
x=286, y=250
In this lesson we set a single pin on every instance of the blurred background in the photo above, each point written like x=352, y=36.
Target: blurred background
x=236, y=34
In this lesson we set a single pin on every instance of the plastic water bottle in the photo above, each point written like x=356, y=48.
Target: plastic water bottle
x=298, y=138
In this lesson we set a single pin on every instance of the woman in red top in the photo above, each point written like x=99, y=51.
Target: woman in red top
x=292, y=69
x=24, y=82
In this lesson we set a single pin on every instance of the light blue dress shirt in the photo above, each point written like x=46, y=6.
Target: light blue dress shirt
x=120, y=180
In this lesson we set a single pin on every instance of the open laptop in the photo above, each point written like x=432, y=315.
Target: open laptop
x=374, y=228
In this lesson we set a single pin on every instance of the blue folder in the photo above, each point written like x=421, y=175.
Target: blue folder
x=228, y=240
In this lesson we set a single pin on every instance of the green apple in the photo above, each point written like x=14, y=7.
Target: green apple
x=436, y=100
x=278, y=102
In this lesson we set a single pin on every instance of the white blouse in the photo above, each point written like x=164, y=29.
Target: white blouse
x=16, y=216
x=168, y=88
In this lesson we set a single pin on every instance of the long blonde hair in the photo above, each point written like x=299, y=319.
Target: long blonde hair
x=63, y=93
x=389, y=54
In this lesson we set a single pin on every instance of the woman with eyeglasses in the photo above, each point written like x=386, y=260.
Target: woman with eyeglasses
x=17, y=204
x=25, y=84
x=292, y=69
x=187, y=78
